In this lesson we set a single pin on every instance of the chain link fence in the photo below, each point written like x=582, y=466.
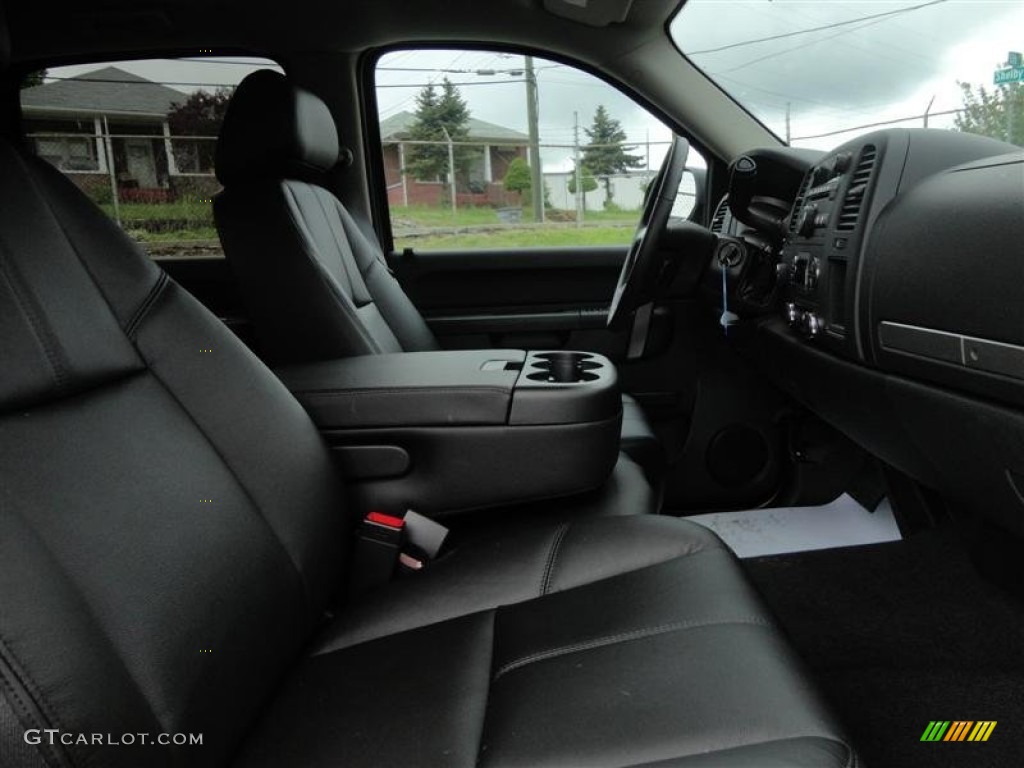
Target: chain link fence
x=159, y=188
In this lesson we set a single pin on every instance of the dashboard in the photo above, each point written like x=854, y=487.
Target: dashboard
x=882, y=284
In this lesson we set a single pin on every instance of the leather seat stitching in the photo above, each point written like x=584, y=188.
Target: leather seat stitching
x=326, y=278
x=340, y=246
x=622, y=637
x=19, y=705
x=146, y=305
x=231, y=471
x=28, y=304
x=545, y=581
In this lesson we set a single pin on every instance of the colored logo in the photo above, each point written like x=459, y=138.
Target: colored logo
x=958, y=730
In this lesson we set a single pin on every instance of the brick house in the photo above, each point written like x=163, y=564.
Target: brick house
x=67, y=121
x=499, y=146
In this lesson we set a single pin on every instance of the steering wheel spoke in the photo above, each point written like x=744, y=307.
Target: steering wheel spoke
x=642, y=259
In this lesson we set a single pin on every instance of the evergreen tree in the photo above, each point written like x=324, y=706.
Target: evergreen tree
x=587, y=182
x=517, y=177
x=993, y=113
x=436, y=113
x=606, y=153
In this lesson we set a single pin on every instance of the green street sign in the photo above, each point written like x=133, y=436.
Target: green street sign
x=1011, y=75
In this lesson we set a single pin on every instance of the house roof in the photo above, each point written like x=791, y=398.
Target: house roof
x=397, y=127
x=104, y=91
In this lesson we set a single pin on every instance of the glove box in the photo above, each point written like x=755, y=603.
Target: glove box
x=444, y=432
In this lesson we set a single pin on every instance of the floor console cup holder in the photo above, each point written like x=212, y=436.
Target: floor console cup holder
x=563, y=367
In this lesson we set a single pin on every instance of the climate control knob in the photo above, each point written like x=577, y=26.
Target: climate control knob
x=806, y=223
x=842, y=162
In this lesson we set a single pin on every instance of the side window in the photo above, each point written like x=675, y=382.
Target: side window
x=138, y=138
x=491, y=150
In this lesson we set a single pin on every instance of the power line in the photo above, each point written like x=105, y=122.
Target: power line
x=490, y=70
x=468, y=82
x=395, y=109
x=809, y=30
x=807, y=44
x=878, y=124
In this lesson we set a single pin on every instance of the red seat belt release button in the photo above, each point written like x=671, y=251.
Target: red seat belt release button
x=388, y=521
x=377, y=548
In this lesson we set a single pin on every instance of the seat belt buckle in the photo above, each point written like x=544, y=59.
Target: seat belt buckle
x=423, y=541
x=377, y=549
x=424, y=535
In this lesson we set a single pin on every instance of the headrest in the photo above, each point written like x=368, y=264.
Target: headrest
x=274, y=129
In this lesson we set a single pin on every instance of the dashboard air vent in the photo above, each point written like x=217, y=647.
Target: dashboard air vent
x=850, y=212
x=799, y=202
x=718, y=220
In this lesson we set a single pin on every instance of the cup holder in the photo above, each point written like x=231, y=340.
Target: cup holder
x=557, y=377
x=564, y=367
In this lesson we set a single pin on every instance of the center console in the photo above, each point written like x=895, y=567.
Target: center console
x=443, y=432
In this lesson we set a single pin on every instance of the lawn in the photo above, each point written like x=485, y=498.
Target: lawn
x=173, y=235
x=520, y=238
x=419, y=217
x=421, y=227
x=185, y=210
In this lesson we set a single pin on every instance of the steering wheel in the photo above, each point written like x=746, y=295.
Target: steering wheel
x=642, y=263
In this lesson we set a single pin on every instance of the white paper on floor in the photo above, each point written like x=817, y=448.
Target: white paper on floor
x=773, y=531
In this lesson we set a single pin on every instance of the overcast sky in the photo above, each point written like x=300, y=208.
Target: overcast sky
x=880, y=68
x=874, y=69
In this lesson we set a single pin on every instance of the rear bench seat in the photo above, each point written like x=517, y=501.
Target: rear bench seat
x=173, y=536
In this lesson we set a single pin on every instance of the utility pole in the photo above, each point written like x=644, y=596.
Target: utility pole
x=451, y=169
x=788, y=110
x=928, y=111
x=576, y=168
x=536, y=177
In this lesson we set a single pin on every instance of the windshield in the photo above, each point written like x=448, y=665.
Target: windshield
x=820, y=73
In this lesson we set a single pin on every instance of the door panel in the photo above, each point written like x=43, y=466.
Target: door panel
x=535, y=297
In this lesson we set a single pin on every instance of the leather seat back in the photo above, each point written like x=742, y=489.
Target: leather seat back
x=171, y=524
x=316, y=286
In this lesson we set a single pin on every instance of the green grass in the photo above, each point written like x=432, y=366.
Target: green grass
x=520, y=238
x=428, y=217
x=188, y=221
x=183, y=210
x=174, y=235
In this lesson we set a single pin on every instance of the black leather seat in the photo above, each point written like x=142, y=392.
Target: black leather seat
x=317, y=287
x=173, y=538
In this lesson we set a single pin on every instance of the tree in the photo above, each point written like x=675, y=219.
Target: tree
x=435, y=114
x=606, y=153
x=994, y=113
x=587, y=183
x=32, y=79
x=201, y=114
x=517, y=177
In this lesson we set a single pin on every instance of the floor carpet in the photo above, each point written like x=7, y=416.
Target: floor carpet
x=900, y=634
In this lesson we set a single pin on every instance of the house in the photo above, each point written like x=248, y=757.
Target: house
x=68, y=120
x=499, y=146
